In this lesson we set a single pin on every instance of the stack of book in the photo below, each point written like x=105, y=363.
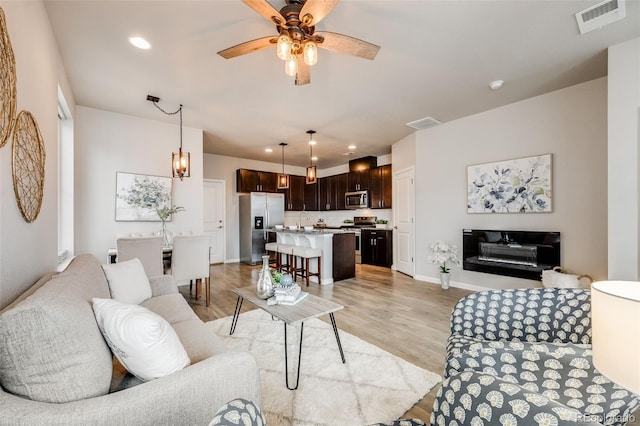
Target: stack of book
x=289, y=295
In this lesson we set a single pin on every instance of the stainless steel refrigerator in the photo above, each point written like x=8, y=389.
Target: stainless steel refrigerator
x=259, y=212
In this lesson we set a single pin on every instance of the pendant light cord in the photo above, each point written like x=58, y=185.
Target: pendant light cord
x=179, y=110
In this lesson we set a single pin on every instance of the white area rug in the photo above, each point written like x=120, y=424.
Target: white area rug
x=372, y=386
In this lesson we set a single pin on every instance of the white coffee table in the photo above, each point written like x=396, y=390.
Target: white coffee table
x=308, y=308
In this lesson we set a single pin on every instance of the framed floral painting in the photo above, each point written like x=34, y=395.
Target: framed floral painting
x=522, y=185
x=138, y=197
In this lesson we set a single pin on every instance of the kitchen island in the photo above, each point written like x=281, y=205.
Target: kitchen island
x=338, y=251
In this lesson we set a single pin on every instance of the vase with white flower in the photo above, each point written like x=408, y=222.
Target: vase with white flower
x=164, y=213
x=442, y=253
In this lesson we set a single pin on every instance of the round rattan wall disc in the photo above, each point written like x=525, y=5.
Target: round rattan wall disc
x=27, y=165
x=7, y=83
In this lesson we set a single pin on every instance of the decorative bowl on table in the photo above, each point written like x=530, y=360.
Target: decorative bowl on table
x=293, y=227
x=279, y=227
x=308, y=228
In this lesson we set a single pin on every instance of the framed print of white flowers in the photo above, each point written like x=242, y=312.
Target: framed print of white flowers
x=139, y=197
x=522, y=185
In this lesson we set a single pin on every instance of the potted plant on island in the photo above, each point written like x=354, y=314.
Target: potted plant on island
x=443, y=253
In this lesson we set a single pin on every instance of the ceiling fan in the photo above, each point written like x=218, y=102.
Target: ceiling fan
x=297, y=40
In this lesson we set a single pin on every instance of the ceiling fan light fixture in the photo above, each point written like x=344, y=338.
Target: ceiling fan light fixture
x=310, y=53
x=291, y=66
x=284, y=46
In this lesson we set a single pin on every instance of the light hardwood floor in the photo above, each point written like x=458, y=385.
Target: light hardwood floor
x=405, y=317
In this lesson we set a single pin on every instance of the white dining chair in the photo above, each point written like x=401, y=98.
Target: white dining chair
x=190, y=261
x=147, y=249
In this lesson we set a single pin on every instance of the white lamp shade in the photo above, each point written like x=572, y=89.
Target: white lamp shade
x=615, y=318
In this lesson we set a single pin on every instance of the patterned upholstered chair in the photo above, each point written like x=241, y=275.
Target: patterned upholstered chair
x=524, y=357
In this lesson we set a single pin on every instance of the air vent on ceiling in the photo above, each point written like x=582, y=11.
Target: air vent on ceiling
x=599, y=15
x=424, y=123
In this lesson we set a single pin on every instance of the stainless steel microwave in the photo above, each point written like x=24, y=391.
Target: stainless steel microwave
x=356, y=200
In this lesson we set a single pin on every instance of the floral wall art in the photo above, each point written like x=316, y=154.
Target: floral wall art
x=139, y=196
x=522, y=185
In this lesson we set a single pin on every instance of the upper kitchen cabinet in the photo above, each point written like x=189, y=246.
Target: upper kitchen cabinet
x=310, y=196
x=294, y=195
x=331, y=191
x=358, y=179
x=380, y=187
x=256, y=181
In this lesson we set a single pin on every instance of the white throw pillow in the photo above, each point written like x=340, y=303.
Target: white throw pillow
x=144, y=342
x=128, y=281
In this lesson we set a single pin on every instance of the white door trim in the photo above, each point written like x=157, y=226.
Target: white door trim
x=224, y=215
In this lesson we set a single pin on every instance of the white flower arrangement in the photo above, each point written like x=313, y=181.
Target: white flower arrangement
x=443, y=253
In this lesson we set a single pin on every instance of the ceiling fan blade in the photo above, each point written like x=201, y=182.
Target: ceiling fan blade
x=266, y=10
x=316, y=10
x=348, y=45
x=304, y=73
x=248, y=47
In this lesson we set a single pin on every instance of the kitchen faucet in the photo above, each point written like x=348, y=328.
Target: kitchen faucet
x=306, y=216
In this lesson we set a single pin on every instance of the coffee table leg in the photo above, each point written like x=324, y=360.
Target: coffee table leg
x=236, y=314
x=335, y=331
x=286, y=359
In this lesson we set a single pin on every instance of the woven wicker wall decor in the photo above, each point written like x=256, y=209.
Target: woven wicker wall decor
x=27, y=164
x=7, y=83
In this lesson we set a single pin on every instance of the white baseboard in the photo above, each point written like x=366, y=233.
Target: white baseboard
x=232, y=260
x=457, y=284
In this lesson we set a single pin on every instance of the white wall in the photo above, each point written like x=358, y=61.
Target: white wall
x=28, y=250
x=571, y=124
x=224, y=168
x=624, y=160
x=106, y=143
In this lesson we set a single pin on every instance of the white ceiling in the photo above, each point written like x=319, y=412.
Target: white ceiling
x=436, y=59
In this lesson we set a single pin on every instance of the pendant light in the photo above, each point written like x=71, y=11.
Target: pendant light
x=283, y=179
x=180, y=161
x=311, y=176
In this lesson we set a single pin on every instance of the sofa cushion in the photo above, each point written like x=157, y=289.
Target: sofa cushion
x=51, y=349
x=128, y=281
x=171, y=307
x=199, y=341
x=144, y=342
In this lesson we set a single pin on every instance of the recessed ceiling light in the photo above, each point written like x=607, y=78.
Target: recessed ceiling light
x=312, y=142
x=314, y=158
x=496, y=84
x=268, y=150
x=351, y=147
x=140, y=43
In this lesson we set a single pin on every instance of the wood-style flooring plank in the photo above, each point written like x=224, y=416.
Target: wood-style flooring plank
x=405, y=317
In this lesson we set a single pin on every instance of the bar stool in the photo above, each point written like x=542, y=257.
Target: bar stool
x=305, y=254
x=286, y=250
x=273, y=248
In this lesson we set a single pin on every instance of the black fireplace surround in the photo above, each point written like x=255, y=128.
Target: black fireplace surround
x=522, y=254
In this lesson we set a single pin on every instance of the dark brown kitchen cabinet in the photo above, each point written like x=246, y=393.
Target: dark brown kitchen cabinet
x=310, y=196
x=358, y=181
x=380, y=187
x=331, y=191
x=376, y=247
x=254, y=180
x=294, y=195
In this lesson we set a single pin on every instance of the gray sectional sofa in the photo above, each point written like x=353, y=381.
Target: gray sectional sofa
x=523, y=357
x=56, y=368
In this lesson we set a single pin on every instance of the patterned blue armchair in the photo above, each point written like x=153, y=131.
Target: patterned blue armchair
x=524, y=357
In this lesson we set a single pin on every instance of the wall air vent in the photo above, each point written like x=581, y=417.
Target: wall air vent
x=424, y=123
x=599, y=15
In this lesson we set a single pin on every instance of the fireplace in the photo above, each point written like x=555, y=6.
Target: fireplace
x=522, y=254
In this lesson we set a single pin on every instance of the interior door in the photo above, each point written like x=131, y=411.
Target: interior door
x=213, y=216
x=403, y=218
